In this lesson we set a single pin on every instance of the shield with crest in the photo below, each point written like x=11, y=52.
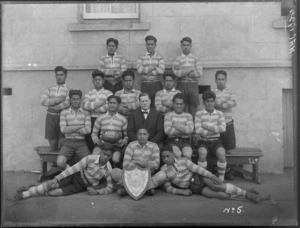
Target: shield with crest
x=136, y=181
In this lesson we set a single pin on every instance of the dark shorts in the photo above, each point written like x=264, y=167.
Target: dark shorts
x=88, y=137
x=190, y=91
x=228, y=137
x=197, y=184
x=211, y=146
x=72, y=184
x=179, y=142
x=151, y=88
x=113, y=88
x=52, y=129
x=74, y=147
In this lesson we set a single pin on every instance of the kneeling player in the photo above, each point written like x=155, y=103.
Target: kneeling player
x=184, y=178
x=86, y=173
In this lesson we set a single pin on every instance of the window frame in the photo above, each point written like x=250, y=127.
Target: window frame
x=89, y=16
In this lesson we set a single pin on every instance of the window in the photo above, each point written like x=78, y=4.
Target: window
x=110, y=10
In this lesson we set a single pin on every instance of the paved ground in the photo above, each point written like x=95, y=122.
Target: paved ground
x=161, y=209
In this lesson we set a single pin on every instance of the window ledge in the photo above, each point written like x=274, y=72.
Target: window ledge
x=109, y=27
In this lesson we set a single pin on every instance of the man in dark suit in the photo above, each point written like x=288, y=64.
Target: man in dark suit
x=148, y=118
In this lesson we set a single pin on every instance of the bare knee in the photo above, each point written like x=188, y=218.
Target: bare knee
x=187, y=152
x=202, y=151
x=116, y=175
x=61, y=162
x=221, y=154
x=177, y=151
x=116, y=158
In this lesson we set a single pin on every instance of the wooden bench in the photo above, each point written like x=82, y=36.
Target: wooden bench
x=239, y=156
x=46, y=155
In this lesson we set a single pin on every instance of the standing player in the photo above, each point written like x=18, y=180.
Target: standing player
x=151, y=66
x=188, y=69
x=56, y=99
x=95, y=101
x=164, y=98
x=112, y=65
x=129, y=95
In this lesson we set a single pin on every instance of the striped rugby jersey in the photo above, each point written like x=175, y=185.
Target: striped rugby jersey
x=143, y=63
x=210, y=125
x=149, y=152
x=91, y=171
x=96, y=101
x=110, y=63
x=186, y=61
x=181, y=172
x=185, y=119
x=69, y=117
x=225, y=101
x=56, y=91
x=163, y=97
x=106, y=121
x=131, y=99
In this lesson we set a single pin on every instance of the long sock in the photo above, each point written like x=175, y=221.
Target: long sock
x=221, y=169
x=202, y=164
x=36, y=190
x=234, y=190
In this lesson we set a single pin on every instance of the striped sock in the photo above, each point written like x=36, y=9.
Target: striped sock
x=234, y=190
x=202, y=164
x=221, y=169
x=36, y=190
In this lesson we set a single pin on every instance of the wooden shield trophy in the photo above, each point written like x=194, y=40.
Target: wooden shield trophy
x=136, y=181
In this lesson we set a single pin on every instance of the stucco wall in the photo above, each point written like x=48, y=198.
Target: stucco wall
x=238, y=37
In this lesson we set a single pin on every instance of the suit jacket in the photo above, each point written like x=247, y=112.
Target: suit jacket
x=154, y=124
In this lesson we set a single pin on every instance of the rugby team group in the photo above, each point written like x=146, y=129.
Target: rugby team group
x=158, y=127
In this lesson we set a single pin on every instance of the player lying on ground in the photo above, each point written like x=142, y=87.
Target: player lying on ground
x=86, y=173
x=184, y=178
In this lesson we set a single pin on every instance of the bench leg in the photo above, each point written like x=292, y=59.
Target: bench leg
x=255, y=176
x=44, y=170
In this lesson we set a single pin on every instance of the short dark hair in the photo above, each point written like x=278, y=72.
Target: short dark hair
x=150, y=37
x=167, y=148
x=168, y=73
x=115, y=41
x=220, y=72
x=187, y=39
x=179, y=96
x=208, y=94
x=144, y=128
x=144, y=94
x=75, y=92
x=107, y=146
x=97, y=73
x=114, y=96
x=60, y=68
x=128, y=73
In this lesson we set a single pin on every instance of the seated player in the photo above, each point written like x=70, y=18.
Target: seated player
x=184, y=178
x=75, y=179
x=129, y=95
x=179, y=126
x=142, y=153
x=113, y=129
x=75, y=123
x=209, y=123
x=164, y=98
x=188, y=70
x=112, y=65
